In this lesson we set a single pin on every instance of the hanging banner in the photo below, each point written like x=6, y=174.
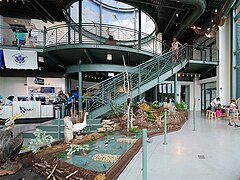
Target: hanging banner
x=20, y=59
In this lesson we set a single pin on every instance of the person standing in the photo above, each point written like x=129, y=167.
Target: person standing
x=69, y=104
x=175, y=47
x=214, y=103
x=232, y=118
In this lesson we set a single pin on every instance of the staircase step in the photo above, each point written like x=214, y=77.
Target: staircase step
x=51, y=127
x=55, y=122
x=53, y=134
x=94, y=121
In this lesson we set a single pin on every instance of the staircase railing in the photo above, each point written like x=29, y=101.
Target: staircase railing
x=114, y=88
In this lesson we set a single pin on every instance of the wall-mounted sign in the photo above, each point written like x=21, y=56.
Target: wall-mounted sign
x=39, y=81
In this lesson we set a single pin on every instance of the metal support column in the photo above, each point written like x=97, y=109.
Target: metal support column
x=175, y=88
x=194, y=115
x=80, y=86
x=69, y=28
x=59, y=124
x=155, y=92
x=101, y=24
x=139, y=28
x=144, y=154
x=165, y=128
x=80, y=22
x=68, y=85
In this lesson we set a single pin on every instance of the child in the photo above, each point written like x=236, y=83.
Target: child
x=175, y=48
x=232, y=113
x=218, y=110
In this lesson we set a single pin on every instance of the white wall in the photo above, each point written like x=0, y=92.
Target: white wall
x=16, y=86
x=223, y=70
x=191, y=93
x=48, y=82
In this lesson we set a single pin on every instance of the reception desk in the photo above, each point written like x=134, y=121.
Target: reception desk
x=28, y=109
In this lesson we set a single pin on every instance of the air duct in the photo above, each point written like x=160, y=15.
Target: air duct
x=200, y=8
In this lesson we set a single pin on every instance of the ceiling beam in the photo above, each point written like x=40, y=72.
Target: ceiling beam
x=37, y=11
x=43, y=19
x=44, y=9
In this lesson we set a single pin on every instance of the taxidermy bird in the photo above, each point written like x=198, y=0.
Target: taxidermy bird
x=9, y=148
x=211, y=31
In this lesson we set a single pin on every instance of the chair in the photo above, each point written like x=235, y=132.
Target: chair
x=207, y=113
x=212, y=114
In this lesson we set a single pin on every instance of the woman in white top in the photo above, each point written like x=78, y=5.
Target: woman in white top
x=175, y=47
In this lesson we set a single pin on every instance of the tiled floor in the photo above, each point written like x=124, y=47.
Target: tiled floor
x=181, y=158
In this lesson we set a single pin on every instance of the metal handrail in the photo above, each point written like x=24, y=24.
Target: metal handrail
x=114, y=88
x=9, y=37
x=93, y=33
x=203, y=53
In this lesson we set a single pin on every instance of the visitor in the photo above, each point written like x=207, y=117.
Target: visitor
x=61, y=97
x=20, y=38
x=32, y=36
x=214, y=103
x=69, y=104
x=175, y=46
x=9, y=101
x=218, y=110
x=232, y=118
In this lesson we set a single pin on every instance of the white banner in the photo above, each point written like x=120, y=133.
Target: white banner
x=20, y=59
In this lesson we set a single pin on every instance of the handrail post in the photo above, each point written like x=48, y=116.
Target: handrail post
x=63, y=110
x=59, y=125
x=144, y=154
x=44, y=36
x=56, y=37
x=165, y=128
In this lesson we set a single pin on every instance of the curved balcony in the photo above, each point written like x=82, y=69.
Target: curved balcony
x=103, y=34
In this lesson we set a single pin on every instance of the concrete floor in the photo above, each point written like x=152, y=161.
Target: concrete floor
x=214, y=139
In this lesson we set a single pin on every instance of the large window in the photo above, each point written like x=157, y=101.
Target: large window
x=236, y=48
x=112, y=13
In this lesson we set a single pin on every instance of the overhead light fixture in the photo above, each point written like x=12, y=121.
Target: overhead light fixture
x=178, y=75
x=109, y=57
x=216, y=10
x=212, y=20
x=176, y=14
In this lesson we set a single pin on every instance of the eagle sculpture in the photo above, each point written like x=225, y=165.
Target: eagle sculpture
x=9, y=148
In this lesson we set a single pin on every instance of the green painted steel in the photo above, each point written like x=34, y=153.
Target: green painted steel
x=142, y=78
x=52, y=128
x=194, y=115
x=123, y=36
x=59, y=125
x=63, y=110
x=165, y=128
x=53, y=134
x=94, y=67
x=144, y=154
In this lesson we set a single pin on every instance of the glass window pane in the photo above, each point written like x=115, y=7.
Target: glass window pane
x=164, y=88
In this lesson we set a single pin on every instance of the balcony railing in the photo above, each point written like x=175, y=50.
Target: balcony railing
x=21, y=37
x=96, y=34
